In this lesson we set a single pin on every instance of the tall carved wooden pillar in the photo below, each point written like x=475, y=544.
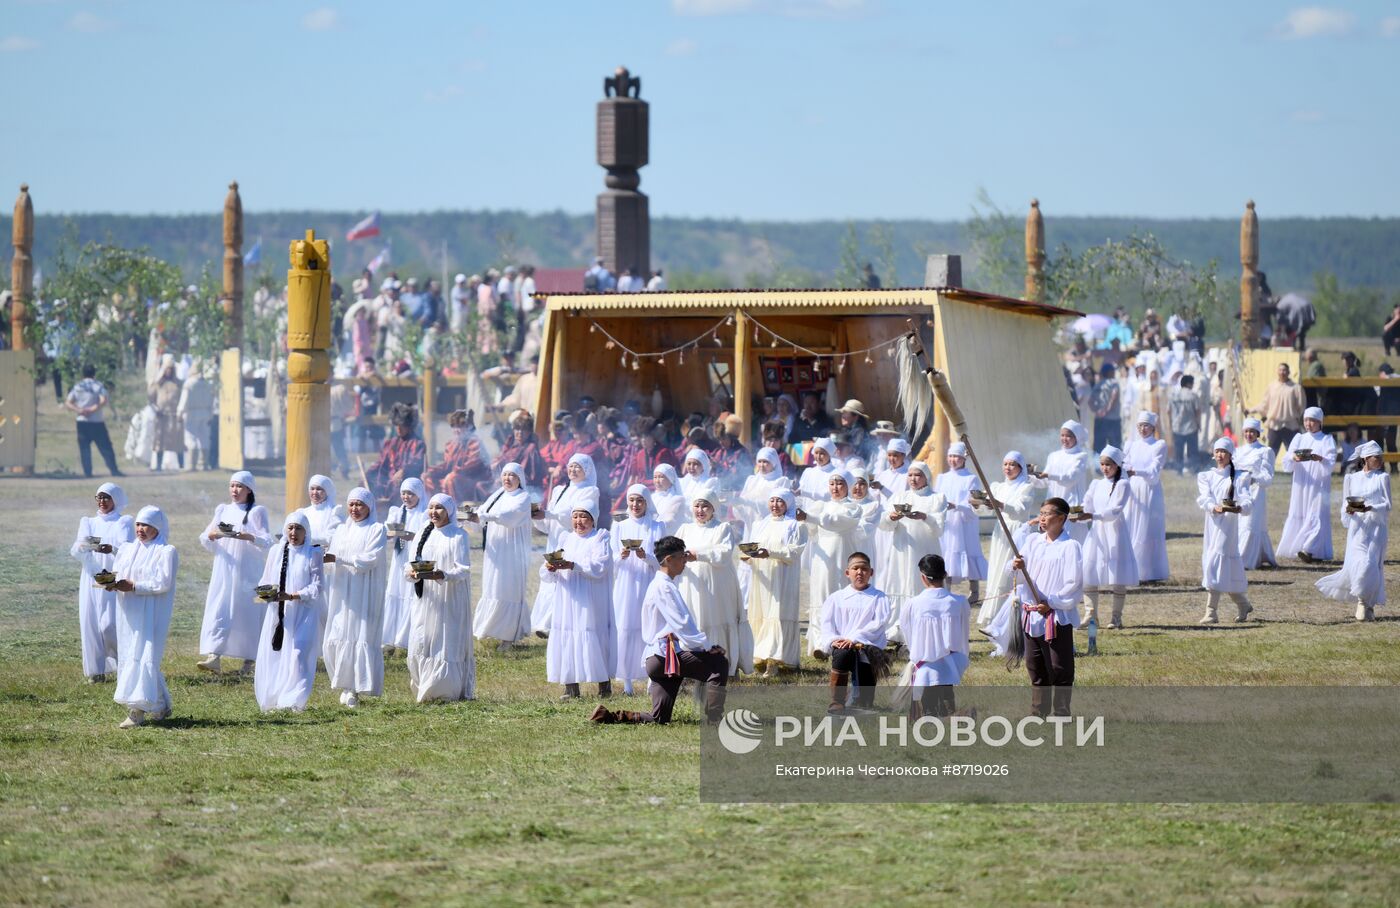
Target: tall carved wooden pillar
x=233, y=267
x=623, y=228
x=22, y=267
x=1249, y=276
x=1035, y=254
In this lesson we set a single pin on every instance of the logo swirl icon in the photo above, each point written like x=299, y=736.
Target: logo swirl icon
x=740, y=731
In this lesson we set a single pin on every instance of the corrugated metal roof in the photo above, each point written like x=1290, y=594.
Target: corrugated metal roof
x=888, y=298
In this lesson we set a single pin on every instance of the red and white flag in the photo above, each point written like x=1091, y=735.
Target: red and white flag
x=367, y=228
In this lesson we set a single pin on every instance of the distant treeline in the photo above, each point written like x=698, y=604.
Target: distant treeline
x=723, y=253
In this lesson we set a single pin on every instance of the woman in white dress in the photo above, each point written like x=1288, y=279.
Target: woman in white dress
x=1365, y=513
x=1144, y=458
x=581, y=637
x=1067, y=473
x=710, y=584
x=411, y=513
x=1110, y=565
x=695, y=473
x=813, y=484
x=666, y=498
x=355, y=602
x=97, y=608
x=1016, y=499
x=775, y=605
x=556, y=522
x=325, y=513
x=145, y=588
x=1307, y=533
x=752, y=504
x=913, y=523
x=290, y=642
x=870, y=507
x=1258, y=458
x=833, y=535
x=633, y=569
x=1222, y=568
x=232, y=614
x=501, y=614
x=441, y=656
x=961, y=541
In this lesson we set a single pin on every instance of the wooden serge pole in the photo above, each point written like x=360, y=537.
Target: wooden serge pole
x=21, y=268
x=233, y=268
x=1035, y=254
x=308, y=365
x=743, y=407
x=1249, y=275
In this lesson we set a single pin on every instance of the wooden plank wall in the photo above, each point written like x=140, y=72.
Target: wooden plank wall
x=18, y=410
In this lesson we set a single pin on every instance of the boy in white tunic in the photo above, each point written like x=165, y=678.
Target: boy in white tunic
x=1224, y=493
x=853, y=622
x=1144, y=457
x=935, y=623
x=232, y=617
x=97, y=608
x=291, y=634
x=1366, y=516
x=1307, y=533
x=1056, y=565
x=675, y=649
x=1257, y=459
x=441, y=656
x=355, y=602
x=145, y=583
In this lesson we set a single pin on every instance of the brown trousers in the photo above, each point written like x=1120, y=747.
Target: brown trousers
x=1051, y=667
x=710, y=668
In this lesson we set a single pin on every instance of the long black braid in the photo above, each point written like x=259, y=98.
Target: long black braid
x=281, y=591
x=418, y=555
x=248, y=506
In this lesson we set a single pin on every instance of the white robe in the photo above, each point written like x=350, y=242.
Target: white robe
x=892, y=482
x=502, y=613
x=143, y=623
x=631, y=578
x=97, y=608
x=1057, y=567
x=324, y=518
x=1018, y=504
x=936, y=625
x=283, y=678
x=815, y=483
x=871, y=509
x=233, y=615
x=1255, y=546
x=859, y=615
x=556, y=524
x=670, y=509
x=1309, y=524
x=1067, y=477
x=398, y=593
x=1109, y=559
x=355, y=608
x=1222, y=568
x=441, y=655
x=581, y=637
x=1008, y=606
x=960, y=539
x=1363, y=575
x=833, y=533
x=775, y=603
x=909, y=540
x=710, y=586
x=1147, y=507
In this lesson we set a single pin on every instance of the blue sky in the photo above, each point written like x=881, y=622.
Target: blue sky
x=772, y=109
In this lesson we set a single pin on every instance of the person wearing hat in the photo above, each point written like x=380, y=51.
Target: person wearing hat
x=582, y=639
x=522, y=448
x=355, y=602
x=1225, y=493
x=1366, y=517
x=960, y=541
x=1144, y=458
x=834, y=532
x=290, y=642
x=97, y=631
x=711, y=585
x=1109, y=563
x=856, y=424
x=1307, y=532
x=1015, y=498
x=464, y=473
x=402, y=455
x=441, y=658
x=911, y=526
x=1066, y=472
x=1257, y=459
x=232, y=619
x=775, y=603
x=558, y=450
x=145, y=570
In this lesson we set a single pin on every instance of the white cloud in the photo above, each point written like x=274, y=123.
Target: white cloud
x=822, y=9
x=712, y=7
x=441, y=95
x=15, y=44
x=1315, y=22
x=88, y=23
x=1307, y=116
x=682, y=47
x=1390, y=27
x=321, y=20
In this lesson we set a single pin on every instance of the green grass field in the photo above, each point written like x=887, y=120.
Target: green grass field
x=516, y=798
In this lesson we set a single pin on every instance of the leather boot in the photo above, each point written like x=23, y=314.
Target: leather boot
x=1244, y=609
x=1364, y=612
x=1091, y=610
x=838, y=692
x=571, y=692
x=630, y=717
x=865, y=696
x=1116, y=620
x=602, y=715
x=604, y=689
x=1212, y=609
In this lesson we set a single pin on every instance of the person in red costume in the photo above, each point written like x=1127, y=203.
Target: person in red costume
x=464, y=468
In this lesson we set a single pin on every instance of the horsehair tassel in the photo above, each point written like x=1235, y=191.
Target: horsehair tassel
x=944, y=392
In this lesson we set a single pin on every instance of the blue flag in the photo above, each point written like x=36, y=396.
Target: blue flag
x=253, y=256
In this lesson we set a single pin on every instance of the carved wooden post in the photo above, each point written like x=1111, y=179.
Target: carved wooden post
x=1249, y=276
x=1035, y=254
x=743, y=407
x=22, y=268
x=233, y=267
x=308, y=365
x=623, y=228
